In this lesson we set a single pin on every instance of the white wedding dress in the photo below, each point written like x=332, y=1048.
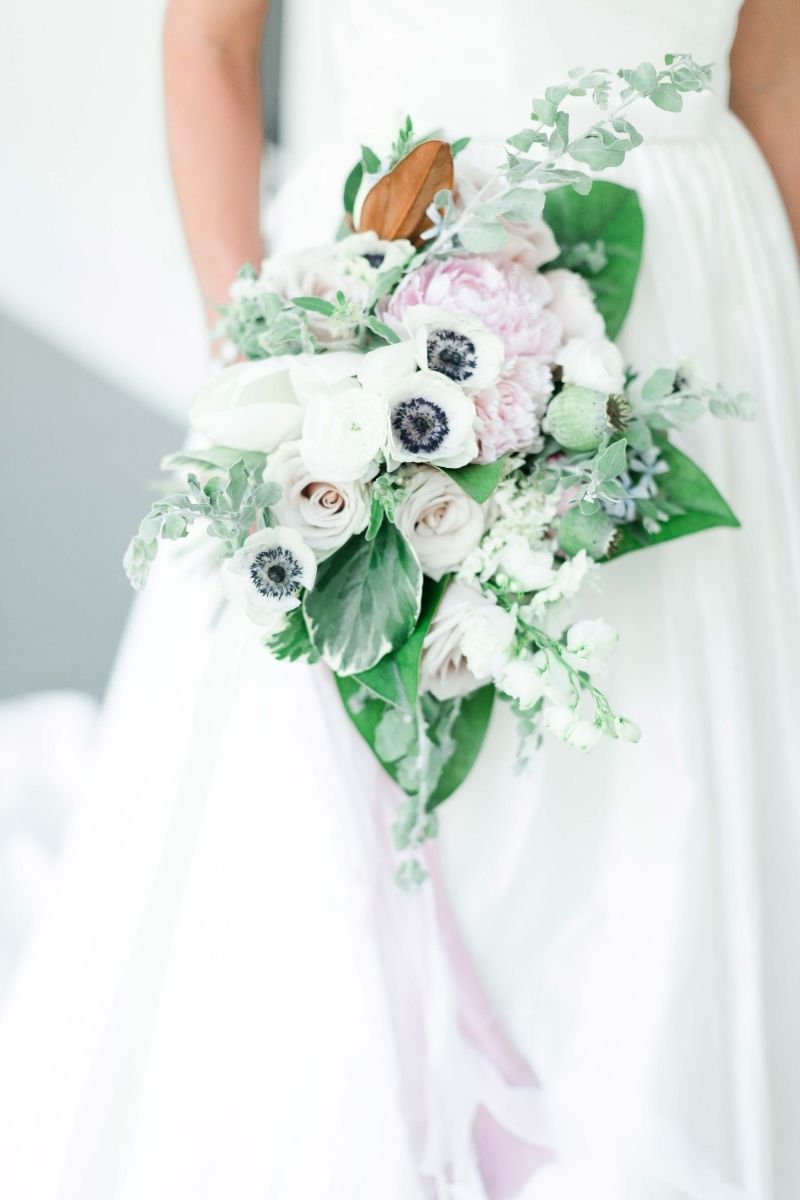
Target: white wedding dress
x=230, y=1000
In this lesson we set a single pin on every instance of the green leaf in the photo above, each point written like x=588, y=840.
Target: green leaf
x=218, y=457
x=544, y=111
x=365, y=602
x=522, y=204
x=526, y=138
x=314, y=304
x=351, y=186
x=382, y=331
x=613, y=461
x=292, y=641
x=610, y=213
x=237, y=483
x=659, y=385
x=690, y=490
x=458, y=145
x=372, y=164
x=668, y=97
x=466, y=733
x=376, y=515
x=644, y=78
x=478, y=480
x=395, y=678
x=482, y=237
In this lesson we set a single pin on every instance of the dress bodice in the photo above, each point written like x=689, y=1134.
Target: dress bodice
x=473, y=65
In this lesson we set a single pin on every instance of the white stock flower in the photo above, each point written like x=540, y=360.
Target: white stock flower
x=442, y=523
x=589, y=643
x=627, y=729
x=584, y=735
x=326, y=514
x=569, y=578
x=560, y=720
x=451, y=668
x=592, y=363
x=524, y=678
x=430, y=420
x=249, y=406
x=343, y=434
x=461, y=348
x=524, y=566
x=268, y=573
x=573, y=304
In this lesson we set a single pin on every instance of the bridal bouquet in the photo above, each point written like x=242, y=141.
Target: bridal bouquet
x=433, y=441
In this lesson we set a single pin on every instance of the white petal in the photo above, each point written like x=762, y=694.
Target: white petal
x=382, y=369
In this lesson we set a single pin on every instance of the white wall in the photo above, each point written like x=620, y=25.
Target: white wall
x=91, y=255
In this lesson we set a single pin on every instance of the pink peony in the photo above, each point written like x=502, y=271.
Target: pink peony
x=509, y=413
x=507, y=297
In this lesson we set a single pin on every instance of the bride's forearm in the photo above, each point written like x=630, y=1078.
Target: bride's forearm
x=211, y=77
x=765, y=90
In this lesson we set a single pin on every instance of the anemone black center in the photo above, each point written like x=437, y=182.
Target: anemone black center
x=275, y=572
x=419, y=425
x=375, y=259
x=452, y=354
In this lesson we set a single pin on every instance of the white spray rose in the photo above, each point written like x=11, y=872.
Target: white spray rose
x=468, y=640
x=268, y=573
x=343, y=434
x=442, y=523
x=249, y=406
x=573, y=304
x=592, y=363
x=326, y=514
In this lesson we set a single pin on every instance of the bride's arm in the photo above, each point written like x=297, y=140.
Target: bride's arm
x=765, y=89
x=211, y=77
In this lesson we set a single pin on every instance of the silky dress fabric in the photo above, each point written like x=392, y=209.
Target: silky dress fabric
x=231, y=999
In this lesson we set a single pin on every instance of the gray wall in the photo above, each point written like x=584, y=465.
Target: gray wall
x=76, y=453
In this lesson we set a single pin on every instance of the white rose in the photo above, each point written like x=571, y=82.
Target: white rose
x=589, y=643
x=343, y=434
x=461, y=348
x=326, y=514
x=454, y=662
x=526, y=567
x=250, y=406
x=268, y=573
x=573, y=304
x=592, y=363
x=430, y=420
x=523, y=678
x=321, y=273
x=442, y=523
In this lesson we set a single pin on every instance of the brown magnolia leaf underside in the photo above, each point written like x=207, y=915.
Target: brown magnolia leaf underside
x=397, y=205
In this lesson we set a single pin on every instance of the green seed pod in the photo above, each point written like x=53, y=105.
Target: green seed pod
x=577, y=418
x=596, y=534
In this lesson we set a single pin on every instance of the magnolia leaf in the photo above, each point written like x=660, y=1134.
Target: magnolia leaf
x=690, y=490
x=397, y=206
x=609, y=213
x=365, y=602
x=478, y=480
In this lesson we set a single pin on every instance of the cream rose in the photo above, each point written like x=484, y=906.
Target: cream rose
x=442, y=523
x=321, y=273
x=250, y=406
x=467, y=644
x=326, y=514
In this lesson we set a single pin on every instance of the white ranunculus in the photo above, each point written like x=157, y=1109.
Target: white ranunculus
x=343, y=434
x=573, y=303
x=267, y=575
x=249, y=406
x=461, y=348
x=592, y=363
x=450, y=667
x=526, y=567
x=442, y=523
x=430, y=420
x=523, y=678
x=326, y=514
x=367, y=255
x=589, y=643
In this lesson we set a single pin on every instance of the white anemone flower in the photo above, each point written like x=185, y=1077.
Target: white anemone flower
x=367, y=255
x=461, y=348
x=431, y=419
x=268, y=573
